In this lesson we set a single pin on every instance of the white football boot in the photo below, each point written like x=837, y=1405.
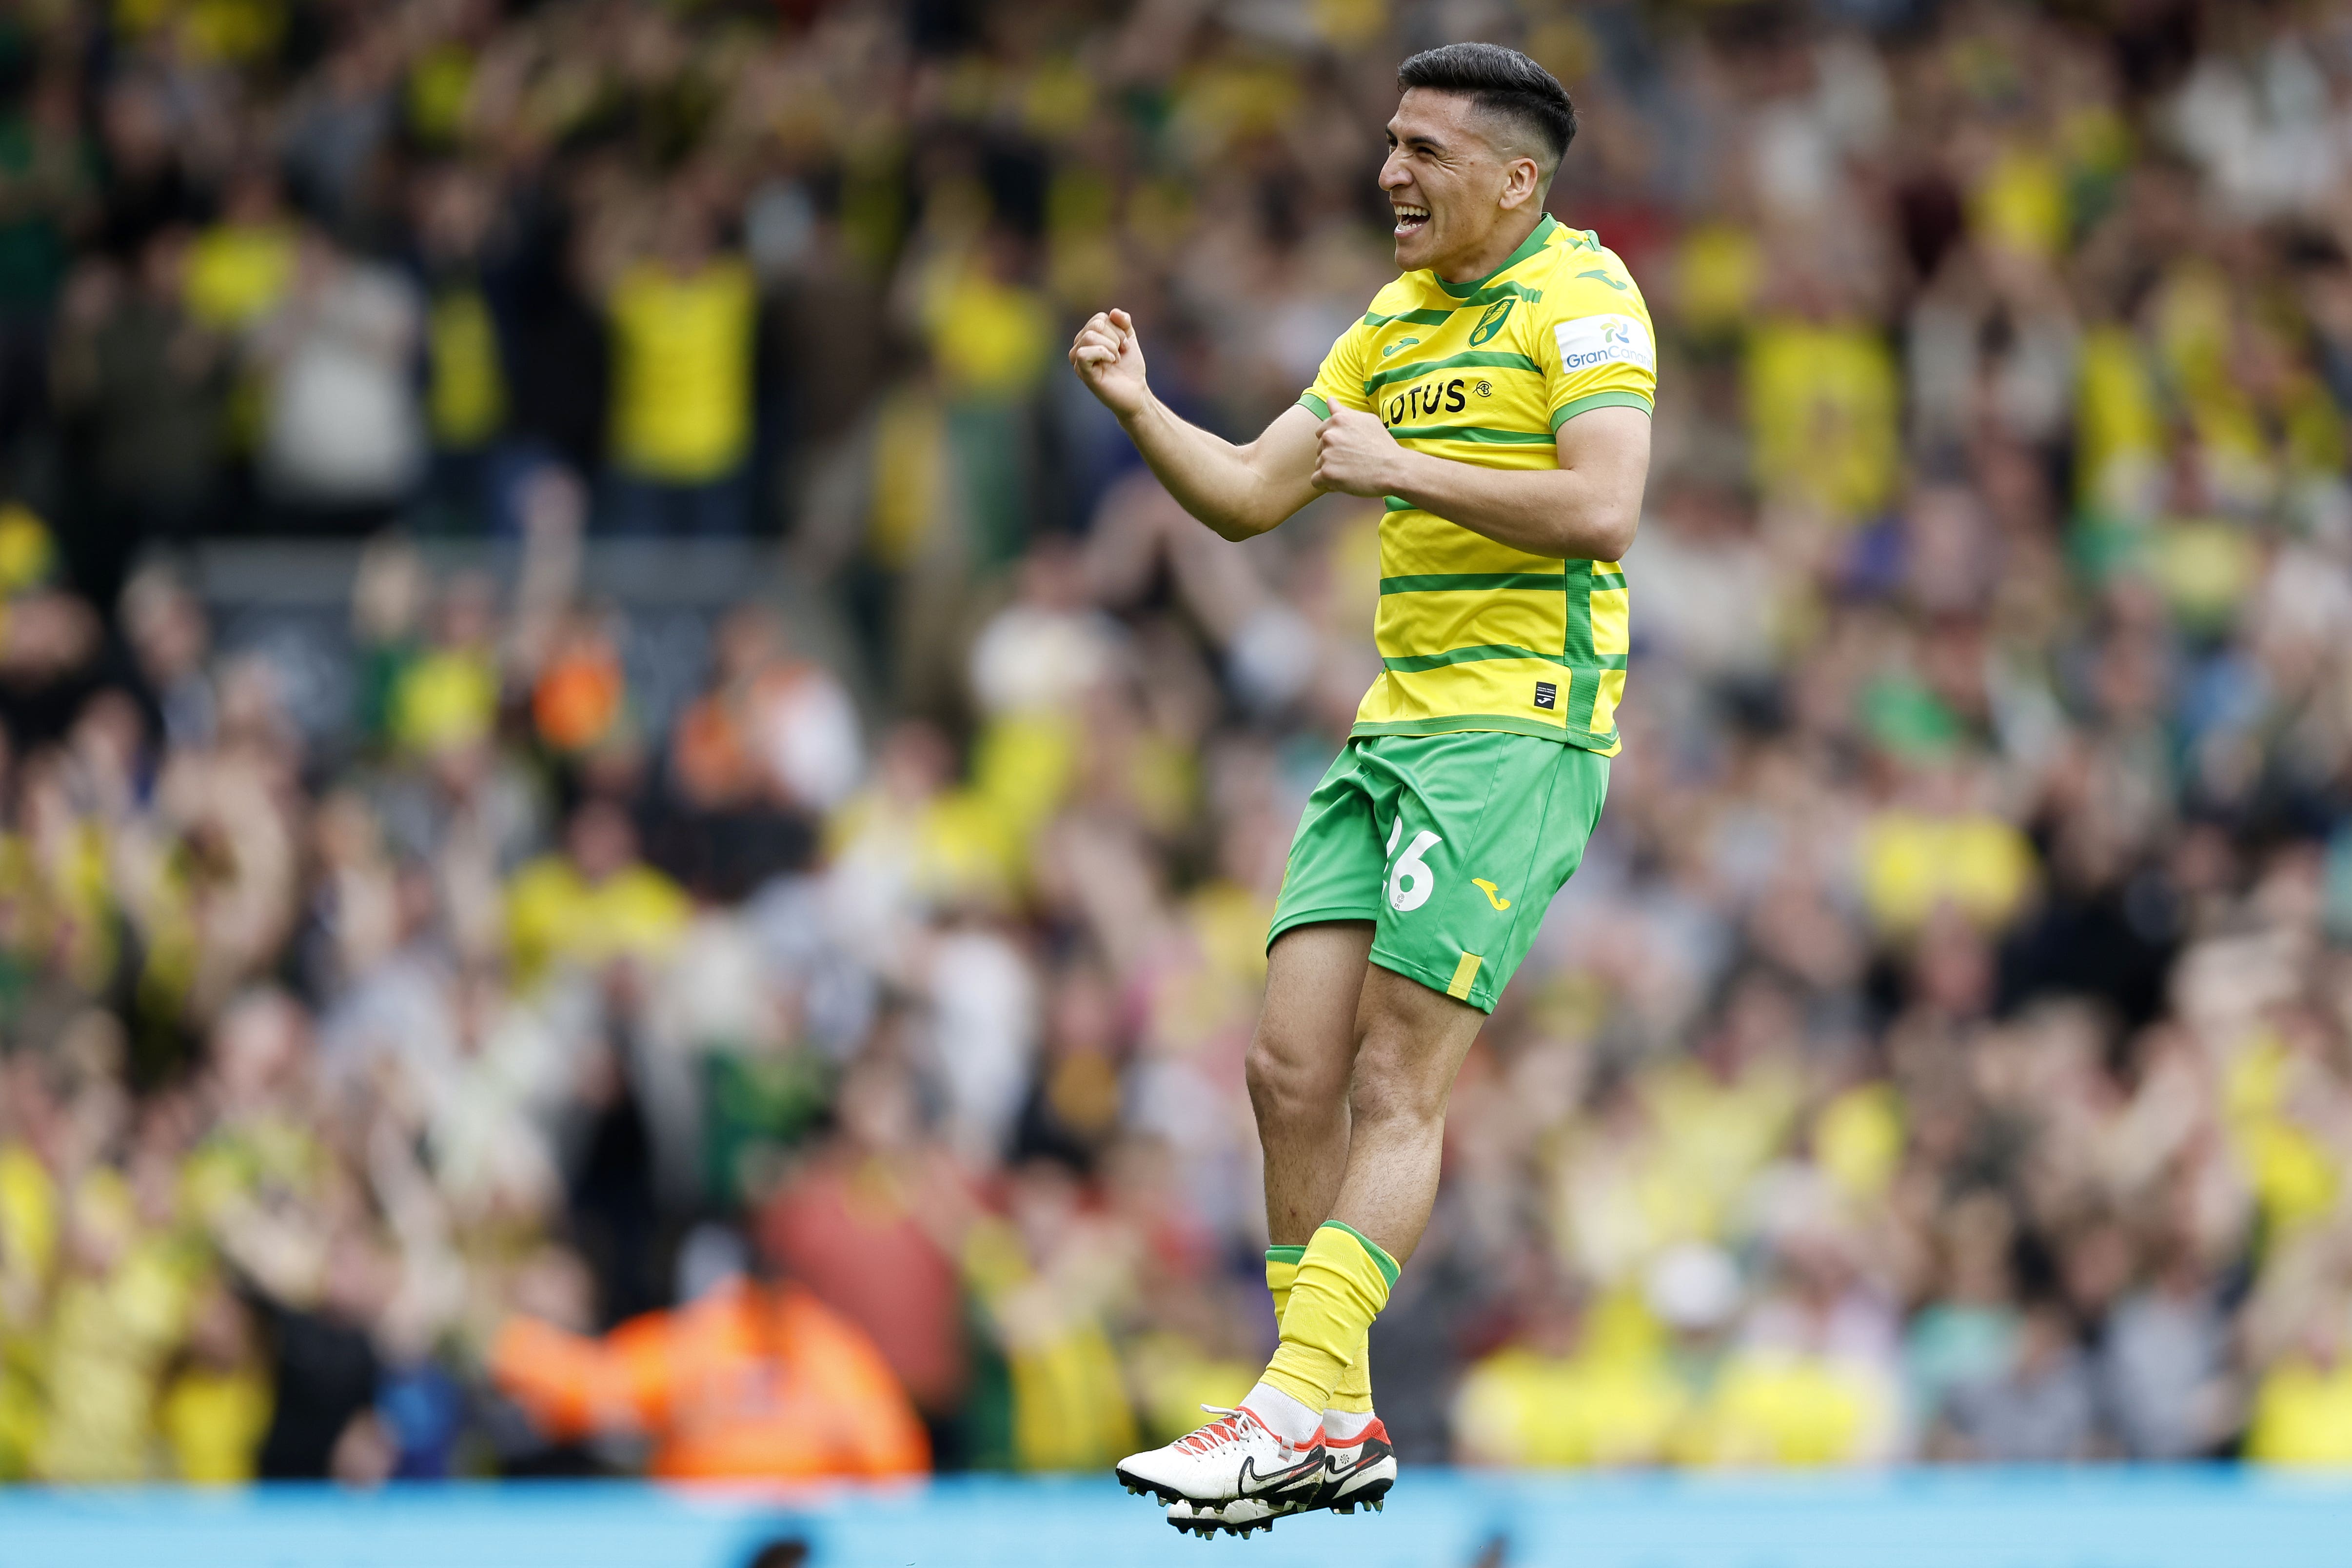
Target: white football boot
x=1236, y=1474
x=1359, y=1471
x=1363, y=1468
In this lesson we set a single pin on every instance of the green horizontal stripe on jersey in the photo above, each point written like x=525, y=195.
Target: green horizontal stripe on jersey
x=1576, y=405
x=1472, y=433
x=1604, y=582
x=1418, y=318
x=1461, y=581
x=1481, y=359
x=1421, y=661
x=1498, y=723
x=1494, y=291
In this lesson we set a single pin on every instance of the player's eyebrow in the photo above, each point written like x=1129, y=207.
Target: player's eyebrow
x=1418, y=142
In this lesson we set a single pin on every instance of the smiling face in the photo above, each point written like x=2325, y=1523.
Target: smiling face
x=1462, y=192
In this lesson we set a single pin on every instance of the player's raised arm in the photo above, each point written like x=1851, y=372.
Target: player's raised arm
x=1240, y=491
x=1586, y=510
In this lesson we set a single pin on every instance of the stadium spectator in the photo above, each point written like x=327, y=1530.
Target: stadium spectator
x=755, y=1380
x=682, y=333
x=341, y=441
x=145, y=386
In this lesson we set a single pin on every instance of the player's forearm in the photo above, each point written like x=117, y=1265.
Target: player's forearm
x=1561, y=513
x=1208, y=476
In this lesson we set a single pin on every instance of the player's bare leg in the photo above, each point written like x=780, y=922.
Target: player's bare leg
x=1412, y=1040
x=1301, y=1062
x=1301, y=1065
x=1406, y=1047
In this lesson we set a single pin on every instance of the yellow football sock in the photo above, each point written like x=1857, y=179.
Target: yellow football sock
x=1281, y=1272
x=1353, y=1391
x=1341, y=1285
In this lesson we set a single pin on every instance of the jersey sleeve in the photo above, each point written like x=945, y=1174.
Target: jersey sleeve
x=1340, y=382
x=1596, y=349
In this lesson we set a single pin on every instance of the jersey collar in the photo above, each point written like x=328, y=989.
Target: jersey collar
x=1528, y=246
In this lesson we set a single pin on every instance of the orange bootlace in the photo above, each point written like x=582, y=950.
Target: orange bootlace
x=1227, y=1428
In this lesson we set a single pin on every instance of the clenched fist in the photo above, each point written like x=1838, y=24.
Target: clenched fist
x=1355, y=453
x=1108, y=358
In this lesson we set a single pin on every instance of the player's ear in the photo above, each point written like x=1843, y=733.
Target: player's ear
x=1522, y=182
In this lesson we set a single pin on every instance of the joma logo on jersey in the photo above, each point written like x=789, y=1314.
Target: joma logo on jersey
x=1435, y=397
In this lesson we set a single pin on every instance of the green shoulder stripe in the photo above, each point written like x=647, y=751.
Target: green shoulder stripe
x=1494, y=291
x=1419, y=318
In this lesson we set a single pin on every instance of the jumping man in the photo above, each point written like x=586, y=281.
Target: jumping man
x=1498, y=396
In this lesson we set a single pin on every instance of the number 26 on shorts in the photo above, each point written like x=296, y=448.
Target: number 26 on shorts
x=1411, y=881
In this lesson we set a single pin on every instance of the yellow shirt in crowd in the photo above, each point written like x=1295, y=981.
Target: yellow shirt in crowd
x=556, y=915
x=682, y=371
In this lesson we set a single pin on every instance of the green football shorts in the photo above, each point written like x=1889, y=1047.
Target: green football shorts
x=1452, y=846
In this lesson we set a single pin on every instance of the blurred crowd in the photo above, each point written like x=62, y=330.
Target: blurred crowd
x=1944, y=1051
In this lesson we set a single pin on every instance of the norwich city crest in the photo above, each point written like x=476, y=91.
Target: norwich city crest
x=1492, y=321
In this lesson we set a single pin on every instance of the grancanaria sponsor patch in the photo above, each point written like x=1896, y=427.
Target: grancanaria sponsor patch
x=1590, y=340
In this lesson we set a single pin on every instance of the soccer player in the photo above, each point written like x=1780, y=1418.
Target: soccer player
x=1498, y=396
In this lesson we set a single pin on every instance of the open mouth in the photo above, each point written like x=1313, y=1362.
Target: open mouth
x=1409, y=219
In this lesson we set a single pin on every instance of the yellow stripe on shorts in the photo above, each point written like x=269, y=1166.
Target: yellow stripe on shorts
x=1463, y=974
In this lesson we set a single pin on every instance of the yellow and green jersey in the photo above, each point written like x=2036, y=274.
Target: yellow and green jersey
x=1475, y=635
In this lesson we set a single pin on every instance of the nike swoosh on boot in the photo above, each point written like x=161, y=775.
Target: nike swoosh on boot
x=1308, y=1472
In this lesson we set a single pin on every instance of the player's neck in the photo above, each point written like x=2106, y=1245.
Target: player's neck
x=1492, y=252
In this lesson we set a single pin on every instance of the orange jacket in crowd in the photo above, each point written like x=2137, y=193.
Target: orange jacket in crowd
x=750, y=1382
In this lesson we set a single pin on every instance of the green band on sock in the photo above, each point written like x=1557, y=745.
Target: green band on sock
x=1285, y=1254
x=1380, y=1259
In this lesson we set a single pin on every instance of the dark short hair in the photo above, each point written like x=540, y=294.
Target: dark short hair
x=1502, y=82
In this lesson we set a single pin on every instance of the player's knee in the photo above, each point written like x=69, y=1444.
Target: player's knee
x=1287, y=1082
x=1393, y=1087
